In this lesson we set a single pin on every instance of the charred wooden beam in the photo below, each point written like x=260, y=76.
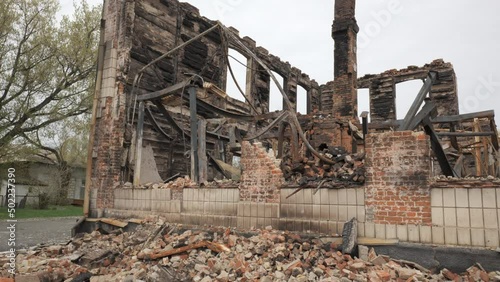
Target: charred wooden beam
x=410, y=116
x=438, y=149
x=429, y=110
x=267, y=128
x=466, y=134
x=158, y=128
x=194, y=133
x=453, y=139
x=464, y=117
x=222, y=112
x=169, y=118
x=494, y=139
x=364, y=118
x=177, y=128
x=138, y=145
x=281, y=139
x=164, y=92
x=202, y=151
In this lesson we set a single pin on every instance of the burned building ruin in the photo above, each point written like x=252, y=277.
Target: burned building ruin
x=162, y=113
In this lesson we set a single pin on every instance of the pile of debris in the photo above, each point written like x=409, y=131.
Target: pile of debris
x=158, y=251
x=185, y=182
x=310, y=171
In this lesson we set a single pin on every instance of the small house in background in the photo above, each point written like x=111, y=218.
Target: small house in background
x=35, y=176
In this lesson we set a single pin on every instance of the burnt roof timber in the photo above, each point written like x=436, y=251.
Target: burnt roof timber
x=464, y=117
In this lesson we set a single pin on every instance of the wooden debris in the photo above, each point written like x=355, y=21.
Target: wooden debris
x=219, y=248
x=114, y=222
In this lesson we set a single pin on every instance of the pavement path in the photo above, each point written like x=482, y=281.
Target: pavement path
x=31, y=232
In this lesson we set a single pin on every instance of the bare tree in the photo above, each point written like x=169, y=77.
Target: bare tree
x=47, y=68
x=64, y=145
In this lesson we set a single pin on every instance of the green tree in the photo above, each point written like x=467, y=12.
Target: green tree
x=47, y=69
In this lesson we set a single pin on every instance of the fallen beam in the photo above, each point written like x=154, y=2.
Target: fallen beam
x=438, y=149
x=218, y=248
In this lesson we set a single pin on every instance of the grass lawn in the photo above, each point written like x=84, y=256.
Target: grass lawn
x=52, y=211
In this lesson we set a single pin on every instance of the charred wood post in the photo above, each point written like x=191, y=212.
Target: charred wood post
x=364, y=118
x=192, y=90
x=426, y=88
x=438, y=149
x=202, y=152
x=138, y=145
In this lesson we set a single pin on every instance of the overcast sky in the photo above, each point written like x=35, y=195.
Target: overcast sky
x=394, y=34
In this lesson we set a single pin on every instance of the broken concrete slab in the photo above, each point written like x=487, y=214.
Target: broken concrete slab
x=350, y=236
x=149, y=169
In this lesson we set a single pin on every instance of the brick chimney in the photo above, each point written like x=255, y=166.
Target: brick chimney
x=344, y=32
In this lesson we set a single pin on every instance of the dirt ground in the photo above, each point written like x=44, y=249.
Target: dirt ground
x=31, y=232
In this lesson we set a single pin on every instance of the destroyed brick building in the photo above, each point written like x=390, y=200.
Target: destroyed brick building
x=161, y=112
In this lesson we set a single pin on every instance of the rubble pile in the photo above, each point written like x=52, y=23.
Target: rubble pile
x=312, y=172
x=162, y=252
x=185, y=182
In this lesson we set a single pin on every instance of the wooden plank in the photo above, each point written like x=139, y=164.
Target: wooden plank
x=138, y=145
x=477, y=150
x=426, y=88
x=114, y=222
x=377, y=242
x=210, y=245
x=202, y=151
x=464, y=117
x=135, y=221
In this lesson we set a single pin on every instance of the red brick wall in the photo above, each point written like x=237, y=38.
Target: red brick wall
x=261, y=178
x=108, y=144
x=398, y=168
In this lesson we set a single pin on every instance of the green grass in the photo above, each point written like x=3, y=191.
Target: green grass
x=52, y=211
